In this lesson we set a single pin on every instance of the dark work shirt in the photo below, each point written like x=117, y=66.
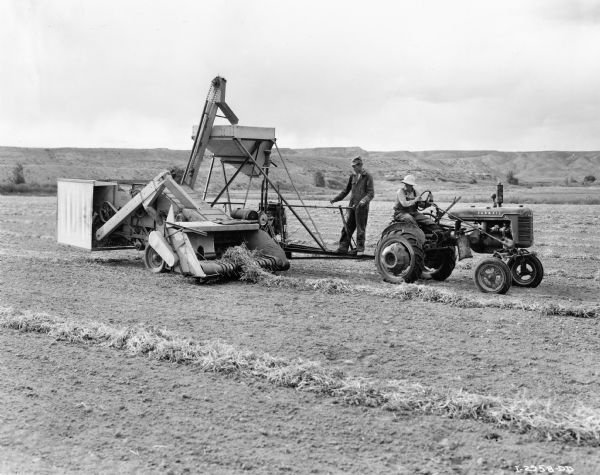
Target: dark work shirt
x=360, y=188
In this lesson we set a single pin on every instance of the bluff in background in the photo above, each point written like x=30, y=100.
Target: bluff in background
x=44, y=165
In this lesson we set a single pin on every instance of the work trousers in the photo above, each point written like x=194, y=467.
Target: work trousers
x=418, y=219
x=356, y=219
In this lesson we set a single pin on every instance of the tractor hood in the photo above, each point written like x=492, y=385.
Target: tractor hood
x=479, y=213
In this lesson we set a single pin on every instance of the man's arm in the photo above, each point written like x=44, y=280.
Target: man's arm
x=403, y=200
x=344, y=192
x=370, y=191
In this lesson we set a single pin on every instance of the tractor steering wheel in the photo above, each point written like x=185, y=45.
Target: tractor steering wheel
x=425, y=200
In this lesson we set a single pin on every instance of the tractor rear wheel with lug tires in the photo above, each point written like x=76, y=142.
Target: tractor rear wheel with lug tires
x=439, y=264
x=492, y=276
x=527, y=270
x=399, y=254
x=153, y=261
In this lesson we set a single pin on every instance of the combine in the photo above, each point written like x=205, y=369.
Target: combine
x=175, y=225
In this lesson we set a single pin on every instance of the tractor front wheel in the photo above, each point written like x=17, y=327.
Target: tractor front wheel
x=527, y=270
x=153, y=261
x=493, y=276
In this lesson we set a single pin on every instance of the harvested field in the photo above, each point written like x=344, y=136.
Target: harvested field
x=323, y=368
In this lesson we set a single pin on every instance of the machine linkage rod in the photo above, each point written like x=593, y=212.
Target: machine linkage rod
x=332, y=254
x=226, y=187
x=248, y=189
x=296, y=190
x=266, y=177
x=352, y=243
x=320, y=207
x=477, y=228
x=212, y=163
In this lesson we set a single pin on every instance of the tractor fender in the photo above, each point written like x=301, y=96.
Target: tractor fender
x=400, y=227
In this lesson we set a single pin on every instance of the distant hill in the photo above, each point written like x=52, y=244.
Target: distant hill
x=461, y=166
x=45, y=165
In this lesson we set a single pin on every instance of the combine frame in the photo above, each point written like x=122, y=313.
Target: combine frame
x=174, y=224
x=226, y=143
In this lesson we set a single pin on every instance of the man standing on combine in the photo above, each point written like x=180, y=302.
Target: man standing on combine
x=406, y=204
x=361, y=189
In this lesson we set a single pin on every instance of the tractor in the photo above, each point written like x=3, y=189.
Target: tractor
x=406, y=253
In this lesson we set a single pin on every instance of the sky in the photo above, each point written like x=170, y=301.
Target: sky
x=510, y=75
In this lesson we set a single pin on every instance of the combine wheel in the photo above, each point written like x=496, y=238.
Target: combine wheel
x=527, y=270
x=399, y=255
x=493, y=276
x=439, y=264
x=153, y=261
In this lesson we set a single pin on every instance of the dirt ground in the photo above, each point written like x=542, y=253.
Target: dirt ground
x=70, y=408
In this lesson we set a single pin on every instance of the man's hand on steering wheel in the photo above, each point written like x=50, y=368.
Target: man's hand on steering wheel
x=425, y=200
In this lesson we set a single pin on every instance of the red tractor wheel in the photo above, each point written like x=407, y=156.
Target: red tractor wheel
x=527, y=270
x=492, y=276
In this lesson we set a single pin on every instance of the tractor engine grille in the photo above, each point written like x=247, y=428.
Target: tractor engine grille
x=525, y=233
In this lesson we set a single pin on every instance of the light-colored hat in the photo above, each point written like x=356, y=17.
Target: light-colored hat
x=357, y=161
x=410, y=180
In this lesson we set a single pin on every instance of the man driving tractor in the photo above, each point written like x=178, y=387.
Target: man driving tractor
x=406, y=205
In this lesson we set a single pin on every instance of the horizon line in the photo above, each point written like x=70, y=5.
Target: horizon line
x=315, y=148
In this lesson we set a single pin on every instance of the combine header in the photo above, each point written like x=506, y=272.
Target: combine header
x=174, y=224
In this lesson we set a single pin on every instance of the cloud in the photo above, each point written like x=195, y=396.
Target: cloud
x=382, y=75
x=582, y=12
